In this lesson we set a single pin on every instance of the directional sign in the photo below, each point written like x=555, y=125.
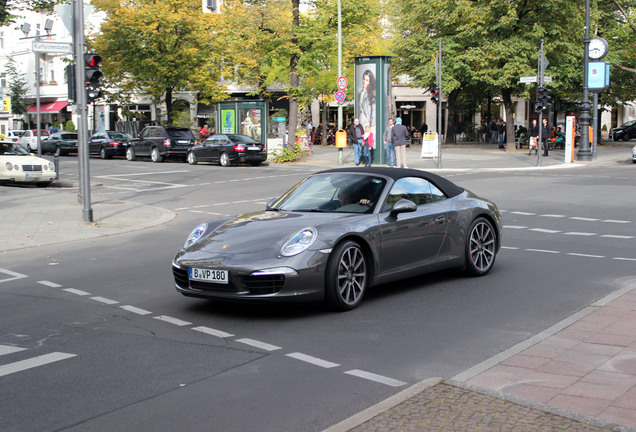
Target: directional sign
x=340, y=96
x=52, y=47
x=342, y=83
x=534, y=79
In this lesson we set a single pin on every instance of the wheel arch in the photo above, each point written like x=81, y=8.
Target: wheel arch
x=367, y=250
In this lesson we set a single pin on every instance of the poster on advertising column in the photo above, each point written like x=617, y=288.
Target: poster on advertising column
x=429, y=146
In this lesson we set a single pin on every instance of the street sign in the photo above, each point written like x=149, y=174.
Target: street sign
x=52, y=47
x=342, y=83
x=340, y=96
x=533, y=79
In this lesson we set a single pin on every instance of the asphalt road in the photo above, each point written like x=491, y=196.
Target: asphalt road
x=127, y=360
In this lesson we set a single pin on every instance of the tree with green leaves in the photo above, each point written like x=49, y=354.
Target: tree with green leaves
x=17, y=89
x=159, y=47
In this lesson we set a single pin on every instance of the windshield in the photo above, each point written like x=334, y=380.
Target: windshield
x=11, y=149
x=628, y=124
x=339, y=193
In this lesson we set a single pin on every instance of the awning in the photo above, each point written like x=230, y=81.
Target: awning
x=49, y=107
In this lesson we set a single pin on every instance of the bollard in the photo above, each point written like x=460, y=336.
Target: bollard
x=56, y=164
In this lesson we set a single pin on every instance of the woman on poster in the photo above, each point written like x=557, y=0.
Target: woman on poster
x=367, y=99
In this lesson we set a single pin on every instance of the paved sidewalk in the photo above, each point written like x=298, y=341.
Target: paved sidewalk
x=579, y=375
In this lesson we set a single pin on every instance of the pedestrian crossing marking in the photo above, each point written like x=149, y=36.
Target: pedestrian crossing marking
x=33, y=362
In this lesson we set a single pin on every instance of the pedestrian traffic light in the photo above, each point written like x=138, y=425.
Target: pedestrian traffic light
x=544, y=98
x=92, y=76
x=69, y=71
x=435, y=97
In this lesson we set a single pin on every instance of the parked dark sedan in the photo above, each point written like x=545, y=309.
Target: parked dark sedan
x=60, y=143
x=107, y=144
x=338, y=232
x=159, y=142
x=228, y=149
x=626, y=131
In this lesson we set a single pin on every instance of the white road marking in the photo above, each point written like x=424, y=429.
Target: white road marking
x=584, y=219
x=374, y=377
x=523, y=213
x=76, y=291
x=625, y=237
x=616, y=221
x=213, y=332
x=312, y=360
x=553, y=216
x=585, y=255
x=172, y=320
x=8, y=349
x=543, y=251
x=543, y=230
x=515, y=226
x=258, y=344
x=13, y=275
x=33, y=362
x=50, y=284
x=104, y=300
x=135, y=310
x=624, y=259
x=584, y=234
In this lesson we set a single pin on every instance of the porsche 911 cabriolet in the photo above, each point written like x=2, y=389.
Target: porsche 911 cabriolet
x=338, y=232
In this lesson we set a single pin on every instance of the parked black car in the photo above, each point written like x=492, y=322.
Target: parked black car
x=159, y=142
x=60, y=143
x=228, y=149
x=626, y=131
x=107, y=144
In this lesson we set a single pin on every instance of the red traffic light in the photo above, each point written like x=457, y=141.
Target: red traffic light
x=92, y=60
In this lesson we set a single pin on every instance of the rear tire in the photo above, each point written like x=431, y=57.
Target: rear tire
x=347, y=276
x=192, y=158
x=224, y=160
x=155, y=156
x=481, y=247
x=130, y=154
x=103, y=154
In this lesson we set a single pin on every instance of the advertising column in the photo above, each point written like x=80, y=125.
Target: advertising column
x=374, y=103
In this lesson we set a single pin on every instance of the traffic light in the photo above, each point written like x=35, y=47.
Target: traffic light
x=543, y=98
x=92, y=76
x=69, y=71
x=435, y=98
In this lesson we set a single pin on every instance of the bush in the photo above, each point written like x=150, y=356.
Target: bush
x=285, y=154
x=69, y=126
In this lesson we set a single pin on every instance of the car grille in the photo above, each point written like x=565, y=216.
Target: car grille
x=254, y=285
x=32, y=168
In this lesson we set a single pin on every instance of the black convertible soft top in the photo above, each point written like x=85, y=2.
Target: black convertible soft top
x=449, y=188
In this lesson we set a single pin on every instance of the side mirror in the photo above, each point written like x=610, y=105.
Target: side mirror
x=403, y=206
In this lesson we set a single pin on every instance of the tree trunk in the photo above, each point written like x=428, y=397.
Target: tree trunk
x=451, y=105
x=293, y=75
x=325, y=123
x=169, y=105
x=506, y=94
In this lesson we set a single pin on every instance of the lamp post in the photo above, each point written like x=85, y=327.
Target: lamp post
x=585, y=153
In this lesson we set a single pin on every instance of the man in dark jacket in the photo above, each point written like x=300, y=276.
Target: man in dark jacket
x=399, y=135
x=354, y=135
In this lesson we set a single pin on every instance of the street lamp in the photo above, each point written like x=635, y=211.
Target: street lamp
x=585, y=152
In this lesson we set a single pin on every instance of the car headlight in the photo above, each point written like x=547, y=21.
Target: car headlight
x=195, y=235
x=9, y=166
x=51, y=166
x=299, y=242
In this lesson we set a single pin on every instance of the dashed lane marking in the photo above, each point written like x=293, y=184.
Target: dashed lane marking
x=213, y=332
x=312, y=360
x=104, y=300
x=171, y=320
x=50, y=284
x=135, y=310
x=76, y=291
x=374, y=377
x=258, y=344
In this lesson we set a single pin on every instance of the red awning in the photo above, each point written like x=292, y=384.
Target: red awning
x=49, y=107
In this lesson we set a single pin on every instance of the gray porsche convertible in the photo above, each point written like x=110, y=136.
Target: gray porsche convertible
x=338, y=232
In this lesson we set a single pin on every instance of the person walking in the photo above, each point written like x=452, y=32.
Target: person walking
x=388, y=145
x=501, y=132
x=534, y=137
x=354, y=134
x=545, y=136
x=367, y=145
x=399, y=135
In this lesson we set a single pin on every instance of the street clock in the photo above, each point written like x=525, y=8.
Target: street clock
x=598, y=48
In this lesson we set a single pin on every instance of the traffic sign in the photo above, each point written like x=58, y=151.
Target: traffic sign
x=340, y=96
x=52, y=47
x=342, y=84
x=533, y=79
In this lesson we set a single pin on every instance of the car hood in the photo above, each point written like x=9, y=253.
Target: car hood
x=254, y=232
x=24, y=160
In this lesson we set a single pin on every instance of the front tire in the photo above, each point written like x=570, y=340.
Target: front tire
x=155, y=156
x=224, y=160
x=103, y=154
x=130, y=154
x=481, y=247
x=347, y=276
x=192, y=158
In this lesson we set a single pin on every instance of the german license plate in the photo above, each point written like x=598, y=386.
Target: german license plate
x=34, y=175
x=254, y=148
x=208, y=275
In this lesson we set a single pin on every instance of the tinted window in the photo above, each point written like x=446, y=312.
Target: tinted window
x=180, y=133
x=69, y=136
x=415, y=189
x=120, y=135
x=241, y=139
